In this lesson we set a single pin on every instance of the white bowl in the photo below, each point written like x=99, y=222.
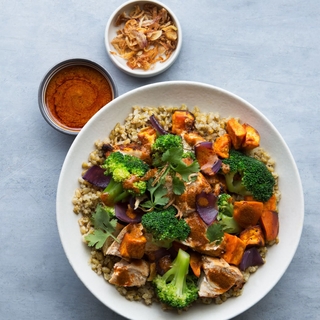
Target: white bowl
x=208, y=98
x=111, y=31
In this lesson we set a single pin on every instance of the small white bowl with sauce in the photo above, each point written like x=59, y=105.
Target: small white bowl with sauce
x=72, y=91
x=154, y=44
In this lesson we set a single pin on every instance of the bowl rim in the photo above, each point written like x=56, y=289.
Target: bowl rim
x=138, y=72
x=54, y=70
x=291, y=242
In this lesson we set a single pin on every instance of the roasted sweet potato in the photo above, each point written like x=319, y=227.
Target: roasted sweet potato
x=271, y=204
x=234, y=249
x=270, y=224
x=247, y=213
x=236, y=131
x=251, y=139
x=196, y=263
x=192, y=138
x=253, y=236
x=133, y=244
x=182, y=121
x=147, y=135
x=222, y=146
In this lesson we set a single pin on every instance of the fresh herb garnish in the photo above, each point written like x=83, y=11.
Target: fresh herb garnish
x=215, y=233
x=104, y=227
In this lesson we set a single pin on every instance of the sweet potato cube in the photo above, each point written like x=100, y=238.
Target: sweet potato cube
x=253, y=236
x=247, y=213
x=251, y=139
x=196, y=263
x=236, y=131
x=192, y=138
x=132, y=246
x=234, y=249
x=182, y=121
x=222, y=146
x=271, y=204
x=270, y=224
x=147, y=135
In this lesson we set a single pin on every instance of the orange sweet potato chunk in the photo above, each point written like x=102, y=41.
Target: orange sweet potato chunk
x=270, y=224
x=234, y=249
x=222, y=146
x=192, y=138
x=253, y=236
x=247, y=213
x=236, y=131
x=251, y=139
x=196, y=263
x=133, y=244
x=182, y=121
x=147, y=135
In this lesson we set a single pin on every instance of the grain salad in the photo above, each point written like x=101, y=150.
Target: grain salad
x=106, y=258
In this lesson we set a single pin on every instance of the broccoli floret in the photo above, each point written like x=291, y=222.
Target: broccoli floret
x=254, y=177
x=189, y=154
x=125, y=171
x=176, y=288
x=122, y=166
x=225, y=214
x=164, y=226
x=162, y=144
x=225, y=205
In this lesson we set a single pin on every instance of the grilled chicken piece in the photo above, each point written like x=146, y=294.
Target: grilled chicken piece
x=129, y=274
x=186, y=203
x=197, y=239
x=218, y=277
x=218, y=184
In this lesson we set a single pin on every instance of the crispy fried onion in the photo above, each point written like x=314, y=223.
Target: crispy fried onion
x=148, y=36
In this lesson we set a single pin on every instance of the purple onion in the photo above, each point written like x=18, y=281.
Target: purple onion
x=210, y=163
x=95, y=175
x=121, y=213
x=156, y=125
x=250, y=258
x=206, y=204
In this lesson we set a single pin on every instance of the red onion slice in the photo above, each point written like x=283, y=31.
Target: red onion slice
x=157, y=126
x=206, y=204
x=208, y=160
x=128, y=216
x=95, y=175
x=250, y=258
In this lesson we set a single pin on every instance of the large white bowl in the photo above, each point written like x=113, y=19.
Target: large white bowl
x=208, y=98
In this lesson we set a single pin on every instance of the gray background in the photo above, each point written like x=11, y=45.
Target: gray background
x=267, y=52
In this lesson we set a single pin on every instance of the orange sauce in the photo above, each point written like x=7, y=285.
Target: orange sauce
x=75, y=93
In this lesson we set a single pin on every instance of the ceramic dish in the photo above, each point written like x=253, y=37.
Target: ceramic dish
x=207, y=98
x=111, y=32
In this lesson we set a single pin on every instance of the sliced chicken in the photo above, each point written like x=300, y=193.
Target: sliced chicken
x=130, y=274
x=186, y=203
x=197, y=239
x=218, y=277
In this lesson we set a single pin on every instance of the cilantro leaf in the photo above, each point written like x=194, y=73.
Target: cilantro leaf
x=104, y=227
x=215, y=233
x=178, y=186
x=97, y=238
x=158, y=196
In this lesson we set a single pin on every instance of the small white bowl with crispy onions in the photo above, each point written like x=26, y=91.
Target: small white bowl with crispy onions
x=143, y=38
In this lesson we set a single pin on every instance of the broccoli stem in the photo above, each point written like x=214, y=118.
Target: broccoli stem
x=114, y=192
x=177, y=273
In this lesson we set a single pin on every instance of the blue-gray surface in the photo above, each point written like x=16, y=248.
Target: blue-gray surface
x=264, y=51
